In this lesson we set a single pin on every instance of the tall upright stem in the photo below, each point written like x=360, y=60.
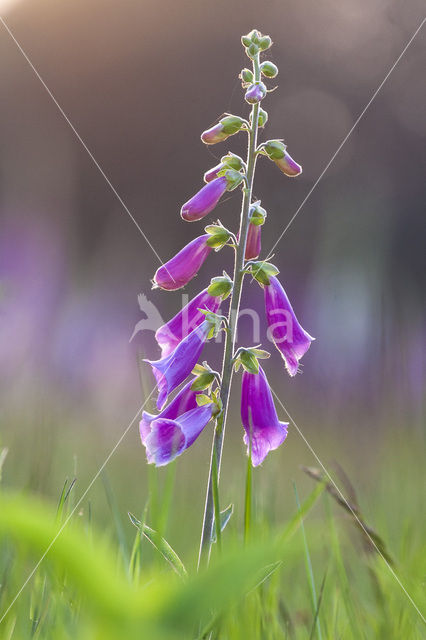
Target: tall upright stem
x=231, y=332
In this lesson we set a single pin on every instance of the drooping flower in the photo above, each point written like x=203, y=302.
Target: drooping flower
x=169, y=433
x=170, y=334
x=277, y=152
x=165, y=439
x=205, y=200
x=288, y=166
x=284, y=328
x=255, y=93
x=259, y=417
x=226, y=127
x=172, y=370
x=253, y=245
x=180, y=269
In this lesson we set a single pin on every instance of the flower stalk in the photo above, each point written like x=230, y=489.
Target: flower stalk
x=230, y=339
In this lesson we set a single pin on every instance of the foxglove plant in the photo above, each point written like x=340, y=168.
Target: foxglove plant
x=206, y=396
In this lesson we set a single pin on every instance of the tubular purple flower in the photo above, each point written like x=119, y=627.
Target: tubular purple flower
x=178, y=271
x=284, y=328
x=170, y=334
x=211, y=174
x=165, y=439
x=205, y=200
x=253, y=245
x=288, y=166
x=172, y=370
x=255, y=93
x=259, y=417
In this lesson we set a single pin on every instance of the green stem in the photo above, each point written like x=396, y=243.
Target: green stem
x=234, y=307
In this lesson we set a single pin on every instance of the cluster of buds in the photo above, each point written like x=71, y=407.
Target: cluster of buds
x=167, y=434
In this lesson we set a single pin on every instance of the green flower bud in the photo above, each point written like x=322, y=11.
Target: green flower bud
x=254, y=36
x=269, y=69
x=246, y=41
x=264, y=43
x=252, y=51
x=220, y=286
x=246, y=76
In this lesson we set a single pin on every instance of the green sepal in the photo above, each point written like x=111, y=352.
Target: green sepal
x=234, y=179
x=274, y=149
x=220, y=286
x=231, y=124
x=269, y=69
x=262, y=271
x=262, y=118
x=257, y=214
x=249, y=361
x=203, y=381
x=260, y=353
x=202, y=399
x=198, y=369
x=219, y=236
x=232, y=161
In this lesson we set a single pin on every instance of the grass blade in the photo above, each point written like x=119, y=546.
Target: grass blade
x=161, y=545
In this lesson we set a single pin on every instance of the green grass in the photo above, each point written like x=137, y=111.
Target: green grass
x=294, y=563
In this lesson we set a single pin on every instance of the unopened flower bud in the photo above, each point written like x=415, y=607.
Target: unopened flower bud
x=246, y=41
x=264, y=43
x=255, y=36
x=255, y=93
x=276, y=151
x=269, y=69
x=252, y=51
x=246, y=76
x=205, y=200
x=253, y=244
x=222, y=130
x=212, y=173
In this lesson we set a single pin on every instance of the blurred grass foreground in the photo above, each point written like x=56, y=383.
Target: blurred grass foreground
x=315, y=574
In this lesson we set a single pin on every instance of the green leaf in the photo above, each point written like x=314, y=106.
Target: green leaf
x=225, y=517
x=161, y=545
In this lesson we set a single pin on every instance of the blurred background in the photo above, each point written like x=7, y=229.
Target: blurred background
x=140, y=80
